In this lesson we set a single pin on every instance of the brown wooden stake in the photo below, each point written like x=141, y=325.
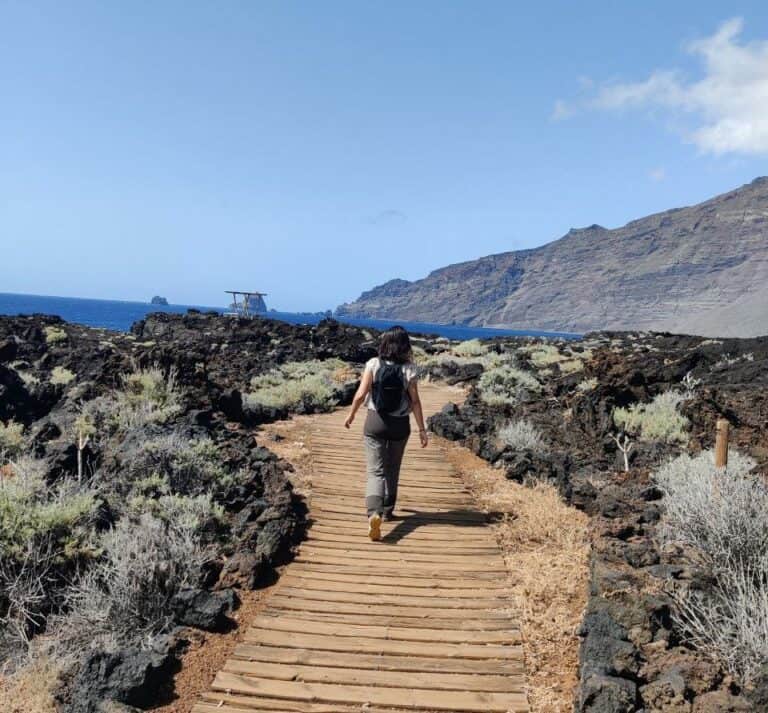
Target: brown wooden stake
x=721, y=443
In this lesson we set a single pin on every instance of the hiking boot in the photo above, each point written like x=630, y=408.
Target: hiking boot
x=374, y=527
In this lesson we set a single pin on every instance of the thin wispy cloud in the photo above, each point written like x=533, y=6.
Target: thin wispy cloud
x=657, y=174
x=390, y=216
x=562, y=110
x=727, y=107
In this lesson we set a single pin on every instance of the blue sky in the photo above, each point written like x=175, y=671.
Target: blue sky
x=315, y=149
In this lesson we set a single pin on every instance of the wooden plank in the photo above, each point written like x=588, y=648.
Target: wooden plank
x=420, y=573
x=366, y=645
x=377, y=662
x=373, y=586
x=447, y=569
x=238, y=704
x=406, y=521
x=366, y=677
x=379, y=553
x=427, y=512
x=388, y=633
x=406, y=583
x=340, y=612
x=395, y=600
x=470, y=702
x=353, y=496
x=404, y=531
x=318, y=538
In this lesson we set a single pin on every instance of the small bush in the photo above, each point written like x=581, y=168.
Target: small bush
x=151, y=391
x=470, y=348
x=190, y=513
x=11, y=438
x=658, y=420
x=729, y=623
x=126, y=597
x=587, y=384
x=545, y=355
x=26, y=583
x=31, y=509
x=53, y=335
x=148, y=396
x=522, y=435
x=310, y=384
x=62, y=376
x=722, y=515
x=43, y=531
x=174, y=464
x=504, y=385
x=721, y=518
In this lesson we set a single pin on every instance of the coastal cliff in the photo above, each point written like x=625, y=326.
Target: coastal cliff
x=696, y=270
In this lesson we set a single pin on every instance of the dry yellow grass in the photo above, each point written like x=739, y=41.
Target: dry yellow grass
x=31, y=689
x=546, y=546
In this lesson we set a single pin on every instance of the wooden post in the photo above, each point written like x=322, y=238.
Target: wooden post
x=721, y=443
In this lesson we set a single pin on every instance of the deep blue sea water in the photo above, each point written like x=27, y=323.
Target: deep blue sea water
x=119, y=316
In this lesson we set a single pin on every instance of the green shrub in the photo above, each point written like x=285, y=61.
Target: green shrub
x=658, y=420
x=11, y=438
x=173, y=464
x=587, y=384
x=314, y=391
x=504, y=385
x=310, y=384
x=148, y=396
x=53, y=335
x=188, y=512
x=470, y=348
x=62, y=376
x=152, y=390
x=30, y=509
x=545, y=355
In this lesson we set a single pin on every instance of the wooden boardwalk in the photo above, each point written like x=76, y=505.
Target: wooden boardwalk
x=420, y=621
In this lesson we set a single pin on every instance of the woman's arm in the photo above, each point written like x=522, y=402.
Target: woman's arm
x=360, y=394
x=413, y=392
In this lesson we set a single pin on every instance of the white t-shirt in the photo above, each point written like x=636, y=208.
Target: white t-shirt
x=410, y=373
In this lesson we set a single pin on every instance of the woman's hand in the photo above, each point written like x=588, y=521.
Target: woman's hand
x=348, y=422
x=423, y=438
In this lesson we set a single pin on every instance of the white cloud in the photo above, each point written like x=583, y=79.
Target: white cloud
x=657, y=174
x=728, y=103
x=562, y=110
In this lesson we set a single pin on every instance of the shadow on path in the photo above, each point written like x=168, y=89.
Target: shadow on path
x=412, y=520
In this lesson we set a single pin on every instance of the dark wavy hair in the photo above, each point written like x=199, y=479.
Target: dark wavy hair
x=395, y=346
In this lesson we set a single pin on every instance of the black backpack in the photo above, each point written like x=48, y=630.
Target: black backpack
x=388, y=387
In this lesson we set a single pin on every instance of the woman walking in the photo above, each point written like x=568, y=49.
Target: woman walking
x=389, y=391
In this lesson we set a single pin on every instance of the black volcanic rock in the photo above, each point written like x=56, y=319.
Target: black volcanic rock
x=698, y=270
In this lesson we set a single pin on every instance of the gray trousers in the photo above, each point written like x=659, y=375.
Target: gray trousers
x=383, y=459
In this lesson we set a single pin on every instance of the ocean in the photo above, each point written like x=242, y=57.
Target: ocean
x=119, y=316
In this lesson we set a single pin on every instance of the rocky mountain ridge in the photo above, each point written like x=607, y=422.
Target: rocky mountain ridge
x=701, y=270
